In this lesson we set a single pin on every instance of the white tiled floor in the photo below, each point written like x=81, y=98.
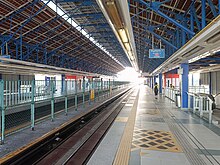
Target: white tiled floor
x=148, y=121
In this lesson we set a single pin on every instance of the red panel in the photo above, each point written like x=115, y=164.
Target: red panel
x=70, y=77
x=172, y=75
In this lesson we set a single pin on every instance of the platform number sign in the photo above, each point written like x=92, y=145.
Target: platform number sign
x=156, y=53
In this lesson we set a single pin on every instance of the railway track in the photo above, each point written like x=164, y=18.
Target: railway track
x=76, y=142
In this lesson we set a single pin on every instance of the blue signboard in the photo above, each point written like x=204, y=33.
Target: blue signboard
x=5, y=56
x=156, y=53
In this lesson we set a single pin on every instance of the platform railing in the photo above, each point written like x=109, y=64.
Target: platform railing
x=171, y=93
x=199, y=89
x=17, y=94
x=201, y=104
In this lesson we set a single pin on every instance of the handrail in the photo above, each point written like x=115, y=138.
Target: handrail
x=202, y=103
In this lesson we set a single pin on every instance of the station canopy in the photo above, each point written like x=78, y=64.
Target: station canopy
x=85, y=35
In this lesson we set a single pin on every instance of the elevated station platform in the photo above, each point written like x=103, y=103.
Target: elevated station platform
x=153, y=131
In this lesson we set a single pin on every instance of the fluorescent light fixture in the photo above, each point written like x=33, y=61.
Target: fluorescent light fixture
x=132, y=58
x=130, y=54
x=216, y=50
x=193, y=51
x=127, y=46
x=112, y=10
x=206, y=54
x=123, y=35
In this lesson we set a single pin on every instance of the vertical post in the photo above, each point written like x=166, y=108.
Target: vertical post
x=183, y=37
x=32, y=105
x=203, y=13
x=154, y=81
x=52, y=100
x=191, y=19
x=2, y=108
x=93, y=88
x=184, y=85
x=83, y=91
x=160, y=83
x=89, y=91
x=210, y=83
x=66, y=99
x=177, y=38
x=76, y=91
x=63, y=83
x=109, y=86
x=99, y=87
x=219, y=7
x=21, y=58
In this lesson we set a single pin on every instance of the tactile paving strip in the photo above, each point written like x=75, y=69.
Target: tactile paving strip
x=154, y=140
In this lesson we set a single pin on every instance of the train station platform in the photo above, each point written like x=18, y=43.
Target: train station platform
x=153, y=131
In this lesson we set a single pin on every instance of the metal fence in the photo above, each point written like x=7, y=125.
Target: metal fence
x=171, y=93
x=201, y=104
x=21, y=101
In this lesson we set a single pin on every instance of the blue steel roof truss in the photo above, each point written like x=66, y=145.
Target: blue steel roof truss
x=91, y=19
x=31, y=31
x=171, y=22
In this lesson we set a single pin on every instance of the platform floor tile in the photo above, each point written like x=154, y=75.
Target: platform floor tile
x=162, y=158
x=155, y=140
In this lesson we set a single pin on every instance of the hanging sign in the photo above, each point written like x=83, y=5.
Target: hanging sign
x=156, y=53
x=4, y=56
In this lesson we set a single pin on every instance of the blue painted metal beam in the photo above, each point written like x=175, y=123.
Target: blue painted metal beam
x=219, y=7
x=26, y=22
x=196, y=18
x=156, y=35
x=98, y=15
x=203, y=13
x=191, y=20
x=19, y=11
x=212, y=6
x=155, y=7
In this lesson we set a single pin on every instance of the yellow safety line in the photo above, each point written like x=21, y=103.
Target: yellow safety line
x=25, y=147
x=123, y=152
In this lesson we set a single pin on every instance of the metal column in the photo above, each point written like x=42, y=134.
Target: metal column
x=160, y=83
x=184, y=85
x=32, y=105
x=2, y=108
x=203, y=13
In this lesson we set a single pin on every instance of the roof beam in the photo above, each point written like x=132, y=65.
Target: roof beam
x=155, y=7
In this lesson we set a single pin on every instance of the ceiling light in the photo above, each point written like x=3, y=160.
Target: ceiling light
x=112, y=10
x=206, y=54
x=123, y=35
x=127, y=46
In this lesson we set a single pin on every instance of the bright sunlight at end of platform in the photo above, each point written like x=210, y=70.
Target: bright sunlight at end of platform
x=128, y=74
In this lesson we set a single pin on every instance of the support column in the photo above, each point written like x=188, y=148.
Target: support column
x=154, y=80
x=184, y=85
x=160, y=83
x=219, y=7
x=210, y=83
x=191, y=20
x=203, y=13
x=62, y=83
